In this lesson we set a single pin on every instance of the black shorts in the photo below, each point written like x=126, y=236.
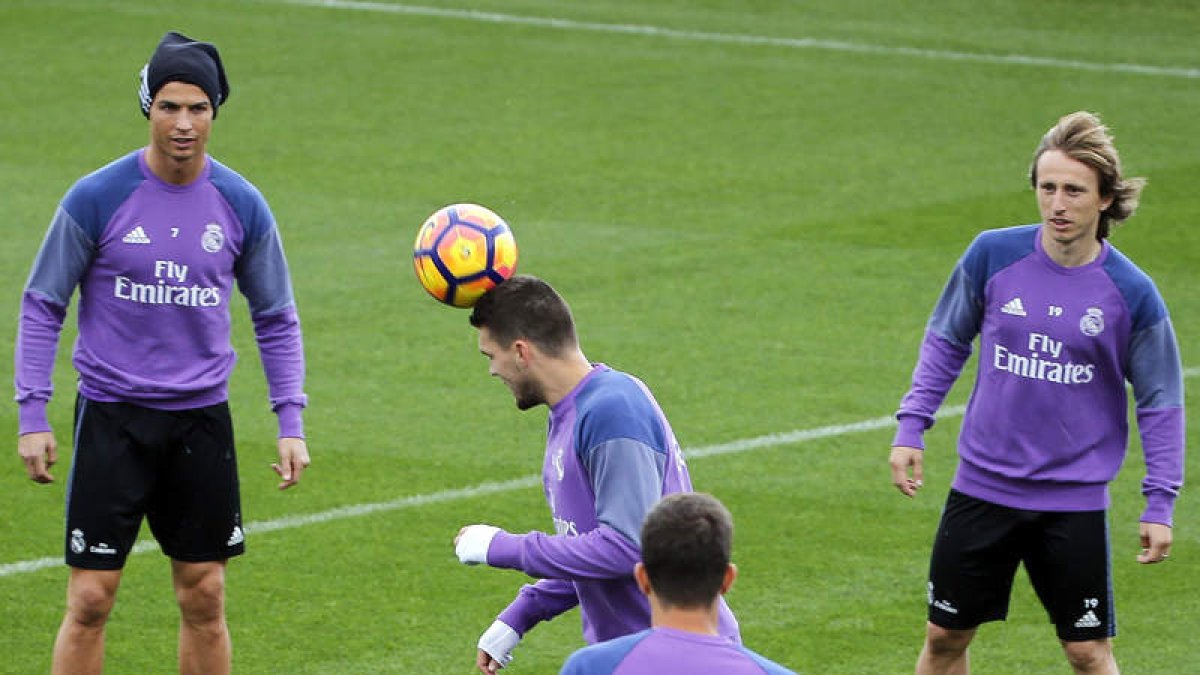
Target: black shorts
x=1066, y=554
x=177, y=468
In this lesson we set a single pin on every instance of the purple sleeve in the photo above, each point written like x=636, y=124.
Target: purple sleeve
x=938, y=367
x=263, y=277
x=1162, y=433
x=37, y=341
x=282, y=351
x=538, y=602
x=1156, y=375
x=602, y=553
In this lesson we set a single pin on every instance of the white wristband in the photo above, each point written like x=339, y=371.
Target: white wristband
x=473, y=543
x=498, y=641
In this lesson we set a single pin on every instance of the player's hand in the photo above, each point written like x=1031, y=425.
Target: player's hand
x=39, y=452
x=293, y=460
x=903, y=459
x=495, y=647
x=472, y=543
x=1156, y=543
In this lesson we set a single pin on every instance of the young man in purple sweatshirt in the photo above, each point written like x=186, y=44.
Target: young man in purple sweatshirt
x=610, y=456
x=686, y=567
x=154, y=242
x=1064, y=321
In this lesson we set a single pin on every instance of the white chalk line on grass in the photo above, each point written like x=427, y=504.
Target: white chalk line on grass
x=489, y=488
x=751, y=40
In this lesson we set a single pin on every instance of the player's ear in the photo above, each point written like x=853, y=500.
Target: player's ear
x=642, y=578
x=525, y=351
x=730, y=575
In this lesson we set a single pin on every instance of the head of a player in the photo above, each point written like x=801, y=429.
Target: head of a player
x=1083, y=138
x=687, y=541
x=525, y=327
x=180, y=90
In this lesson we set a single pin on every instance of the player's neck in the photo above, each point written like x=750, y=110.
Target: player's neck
x=564, y=375
x=175, y=171
x=703, y=621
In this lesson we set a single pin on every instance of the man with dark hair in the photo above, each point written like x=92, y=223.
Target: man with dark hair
x=1064, y=321
x=687, y=542
x=610, y=455
x=155, y=241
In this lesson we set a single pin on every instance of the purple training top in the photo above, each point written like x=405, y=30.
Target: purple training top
x=155, y=265
x=610, y=456
x=658, y=651
x=1046, y=427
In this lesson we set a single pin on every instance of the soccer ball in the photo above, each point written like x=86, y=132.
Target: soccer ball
x=462, y=251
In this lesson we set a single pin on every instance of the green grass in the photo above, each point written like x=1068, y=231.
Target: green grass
x=757, y=230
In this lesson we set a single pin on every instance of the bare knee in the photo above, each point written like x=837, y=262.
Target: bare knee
x=90, y=597
x=946, y=642
x=200, y=591
x=1090, y=656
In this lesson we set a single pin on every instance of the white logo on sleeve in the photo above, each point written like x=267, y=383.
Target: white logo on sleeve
x=236, y=538
x=1014, y=307
x=136, y=236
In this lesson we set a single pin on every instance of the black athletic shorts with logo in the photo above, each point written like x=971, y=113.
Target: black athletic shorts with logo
x=177, y=468
x=979, y=545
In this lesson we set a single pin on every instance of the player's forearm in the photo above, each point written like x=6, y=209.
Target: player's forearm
x=37, y=341
x=602, y=553
x=1163, y=436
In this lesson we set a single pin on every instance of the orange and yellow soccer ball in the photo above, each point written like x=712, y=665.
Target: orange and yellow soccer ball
x=462, y=251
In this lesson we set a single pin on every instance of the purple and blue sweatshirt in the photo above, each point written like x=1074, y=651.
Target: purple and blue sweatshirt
x=658, y=651
x=1046, y=424
x=155, y=265
x=610, y=456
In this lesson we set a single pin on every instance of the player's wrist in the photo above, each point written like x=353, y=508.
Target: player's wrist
x=473, y=543
x=498, y=641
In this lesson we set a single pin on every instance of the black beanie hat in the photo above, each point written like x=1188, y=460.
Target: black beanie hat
x=179, y=58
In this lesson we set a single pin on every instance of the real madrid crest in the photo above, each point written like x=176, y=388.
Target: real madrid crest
x=1092, y=323
x=213, y=238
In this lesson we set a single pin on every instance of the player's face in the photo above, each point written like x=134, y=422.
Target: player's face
x=180, y=120
x=506, y=363
x=1069, y=198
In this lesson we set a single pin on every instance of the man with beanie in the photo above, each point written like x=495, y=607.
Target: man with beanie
x=155, y=241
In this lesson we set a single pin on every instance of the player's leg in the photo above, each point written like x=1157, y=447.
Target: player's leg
x=106, y=493
x=971, y=569
x=945, y=651
x=79, y=646
x=204, y=643
x=196, y=518
x=1071, y=570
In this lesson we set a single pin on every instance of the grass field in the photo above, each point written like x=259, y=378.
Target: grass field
x=751, y=204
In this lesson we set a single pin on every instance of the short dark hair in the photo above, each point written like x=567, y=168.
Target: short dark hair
x=687, y=541
x=1084, y=138
x=525, y=307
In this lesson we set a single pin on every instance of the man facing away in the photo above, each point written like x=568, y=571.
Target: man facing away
x=687, y=543
x=1064, y=321
x=155, y=241
x=610, y=456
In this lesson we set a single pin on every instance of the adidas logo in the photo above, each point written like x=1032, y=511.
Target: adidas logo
x=1013, y=307
x=236, y=538
x=1088, y=620
x=136, y=236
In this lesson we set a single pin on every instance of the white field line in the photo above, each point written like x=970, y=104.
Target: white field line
x=750, y=40
x=356, y=510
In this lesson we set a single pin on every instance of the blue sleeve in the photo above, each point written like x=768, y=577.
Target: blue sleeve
x=769, y=667
x=604, y=657
x=261, y=270
x=627, y=479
